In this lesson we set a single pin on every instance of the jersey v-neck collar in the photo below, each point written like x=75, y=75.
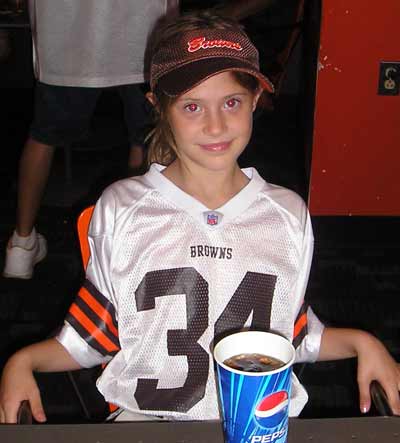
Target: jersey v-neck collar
x=225, y=213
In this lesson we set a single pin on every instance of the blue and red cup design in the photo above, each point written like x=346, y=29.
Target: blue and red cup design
x=254, y=405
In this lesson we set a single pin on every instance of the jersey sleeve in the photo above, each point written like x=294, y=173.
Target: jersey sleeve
x=308, y=328
x=90, y=331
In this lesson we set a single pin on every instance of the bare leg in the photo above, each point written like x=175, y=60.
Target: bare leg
x=34, y=168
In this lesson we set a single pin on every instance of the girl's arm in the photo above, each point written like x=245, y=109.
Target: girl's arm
x=374, y=362
x=18, y=383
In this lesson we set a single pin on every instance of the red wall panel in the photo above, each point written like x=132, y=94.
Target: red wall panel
x=355, y=166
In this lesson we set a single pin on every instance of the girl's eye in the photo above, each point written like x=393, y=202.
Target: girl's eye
x=192, y=107
x=232, y=103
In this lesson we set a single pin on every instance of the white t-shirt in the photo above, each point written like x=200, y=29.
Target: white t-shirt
x=92, y=43
x=167, y=275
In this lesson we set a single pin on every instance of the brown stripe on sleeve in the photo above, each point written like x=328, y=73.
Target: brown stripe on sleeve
x=104, y=317
x=103, y=301
x=93, y=316
x=88, y=330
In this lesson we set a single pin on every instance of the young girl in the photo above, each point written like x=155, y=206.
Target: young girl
x=192, y=250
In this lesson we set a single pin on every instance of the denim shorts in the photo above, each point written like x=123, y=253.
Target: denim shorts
x=63, y=114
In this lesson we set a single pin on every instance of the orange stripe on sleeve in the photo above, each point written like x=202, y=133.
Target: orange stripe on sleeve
x=92, y=329
x=300, y=323
x=112, y=407
x=98, y=309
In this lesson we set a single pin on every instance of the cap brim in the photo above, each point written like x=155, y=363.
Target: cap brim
x=190, y=75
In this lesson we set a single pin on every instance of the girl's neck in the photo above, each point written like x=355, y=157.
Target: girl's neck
x=212, y=188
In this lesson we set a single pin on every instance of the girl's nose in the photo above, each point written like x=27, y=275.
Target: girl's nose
x=215, y=123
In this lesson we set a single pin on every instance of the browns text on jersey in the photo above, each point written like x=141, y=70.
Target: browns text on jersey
x=211, y=251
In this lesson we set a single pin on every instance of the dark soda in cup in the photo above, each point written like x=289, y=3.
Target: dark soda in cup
x=254, y=362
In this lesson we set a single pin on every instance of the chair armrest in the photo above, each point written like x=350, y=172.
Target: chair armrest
x=379, y=399
x=24, y=415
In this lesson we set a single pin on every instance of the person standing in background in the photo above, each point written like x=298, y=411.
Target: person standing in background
x=79, y=49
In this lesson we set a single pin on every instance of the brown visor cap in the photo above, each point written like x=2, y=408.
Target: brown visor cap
x=187, y=60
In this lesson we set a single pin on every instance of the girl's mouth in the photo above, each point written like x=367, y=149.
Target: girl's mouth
x=216, y=147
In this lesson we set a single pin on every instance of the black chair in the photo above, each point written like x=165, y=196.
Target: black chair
x=380, y=400
x=24, y=416
x=378, y=397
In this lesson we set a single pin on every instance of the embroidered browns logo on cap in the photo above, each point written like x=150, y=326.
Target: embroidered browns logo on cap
x=201, y=43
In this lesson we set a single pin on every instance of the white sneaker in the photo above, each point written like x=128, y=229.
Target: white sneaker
x=20, y=261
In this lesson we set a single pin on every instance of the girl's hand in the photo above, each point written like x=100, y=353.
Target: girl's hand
x=18, y=384
x=375, y=363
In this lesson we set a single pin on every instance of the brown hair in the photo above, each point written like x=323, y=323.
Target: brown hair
x=162, y=147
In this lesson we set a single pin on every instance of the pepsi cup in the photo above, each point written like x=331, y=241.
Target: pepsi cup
x=255, y=405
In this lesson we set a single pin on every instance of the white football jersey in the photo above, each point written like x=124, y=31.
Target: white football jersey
x=167, y=277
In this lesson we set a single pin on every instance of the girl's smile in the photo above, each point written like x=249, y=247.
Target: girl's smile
x=216, y=147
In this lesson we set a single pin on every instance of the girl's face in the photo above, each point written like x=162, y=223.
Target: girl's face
x=212, y=122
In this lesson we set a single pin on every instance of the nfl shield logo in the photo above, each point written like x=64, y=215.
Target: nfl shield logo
x=212, y=219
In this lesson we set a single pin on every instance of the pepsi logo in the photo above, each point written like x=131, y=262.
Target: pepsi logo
x=271, y=410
